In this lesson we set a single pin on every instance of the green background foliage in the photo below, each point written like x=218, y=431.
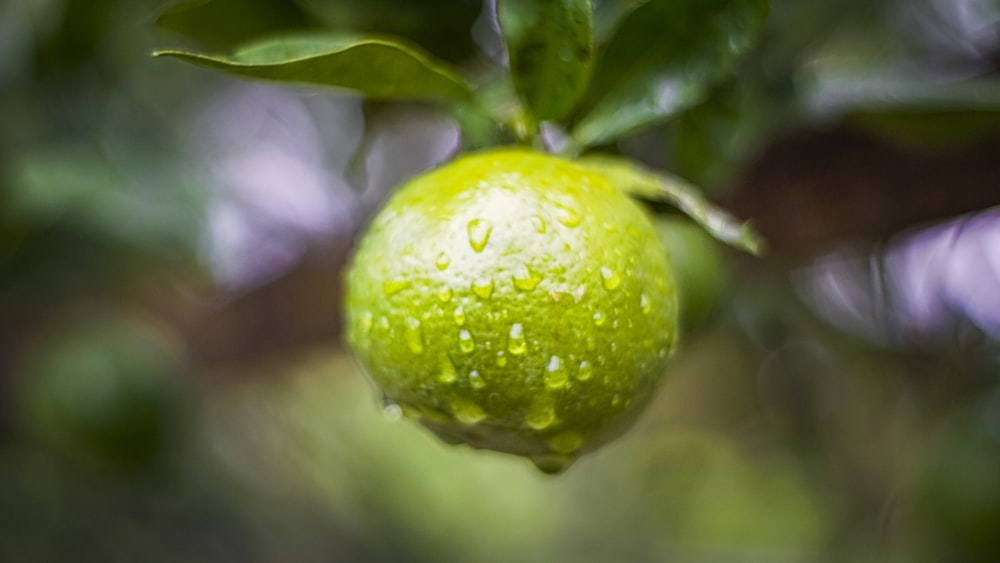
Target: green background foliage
x=172, y=380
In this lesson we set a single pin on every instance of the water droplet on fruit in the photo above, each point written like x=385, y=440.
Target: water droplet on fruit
x=525, y=279
x=591, y=344
x=610, y=278
x=555, y=374
x=465, y=341
x=467, y=412
x=585, y=372
x=552, y=463
x=391, y=411
x=483, y=287
x=444, y=294
x=567, y=216
x=475, y=380
x=442, y=262
x=383, y=323
x=538, y=223
x=448, y=373
x=644, y=305
x=541, y=414
x=414, y=336
x=599, y=318
x=566, y=442
x=501, y=359
x=517, y=344
x=392, y=287
x=479, y=233
x=459, y=315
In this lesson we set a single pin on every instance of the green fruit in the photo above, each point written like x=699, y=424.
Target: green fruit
x=699, y=269
x=514, y=301
x=101, y=387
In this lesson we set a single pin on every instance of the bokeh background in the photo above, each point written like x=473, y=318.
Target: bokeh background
x=173, y=386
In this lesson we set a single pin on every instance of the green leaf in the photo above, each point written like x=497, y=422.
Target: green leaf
x=376, y=67
x=637, y=181
x=664, y=58
x=231, y=22
x=443, y=27
x=550, y=44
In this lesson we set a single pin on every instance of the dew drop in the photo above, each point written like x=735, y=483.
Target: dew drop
x=552, y=463
x=600, y=319
x=555, y=374
x=610, y=278
x=525, y=279
x=567, y=216
x=475, y=380
x=467, y=412
x=465, y=341
x=459, y=315
x=479, y=233
x=585, y=372
x=391, y=411
x=501, y=359
x=383, y=323
x=483, y=287
x=538, y=223
x=442, y=262
x=414, y=336
x=444, y=294
x=540, y=415
x=566, y=442
x=393, y=287
x=591, y=344
x=644, y=305
x=448, y=373
x=517, y=345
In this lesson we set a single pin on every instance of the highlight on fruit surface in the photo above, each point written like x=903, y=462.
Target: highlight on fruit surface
x=514, y=301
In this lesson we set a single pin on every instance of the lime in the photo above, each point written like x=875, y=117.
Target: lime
x=514, y=301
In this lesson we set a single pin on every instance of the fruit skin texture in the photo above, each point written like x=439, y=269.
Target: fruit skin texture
x=514, y=301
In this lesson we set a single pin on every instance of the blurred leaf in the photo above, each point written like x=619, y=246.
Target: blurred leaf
x=886, y=86
x=550, y=46
x=102, y=384
x=707, y=143
x=443, y=27
x=608, y=14
x=75, y=185
x=378, y=68
x=633, y=179
x=664, y=58
x=79, y=36
x=909, y=109
x=933, y=129
x=227, y=23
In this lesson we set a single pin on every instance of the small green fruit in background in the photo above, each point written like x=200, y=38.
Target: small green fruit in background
x=514, y=301
x=102, y=386
x=699, y=268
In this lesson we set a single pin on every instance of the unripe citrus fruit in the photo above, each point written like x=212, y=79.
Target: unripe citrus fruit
x=514, y=301
x=103, y=386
